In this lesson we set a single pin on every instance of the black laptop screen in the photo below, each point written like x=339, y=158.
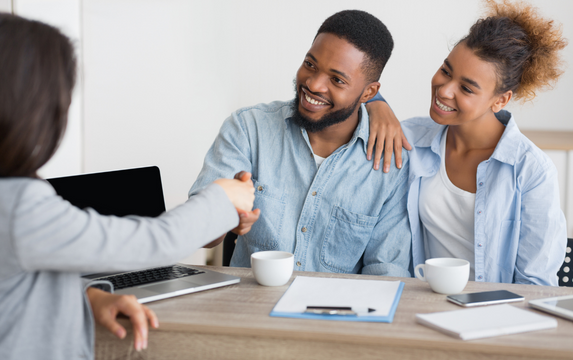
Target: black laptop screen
x=121, y=192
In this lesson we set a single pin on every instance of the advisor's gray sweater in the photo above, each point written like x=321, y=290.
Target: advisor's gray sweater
x=45, y=243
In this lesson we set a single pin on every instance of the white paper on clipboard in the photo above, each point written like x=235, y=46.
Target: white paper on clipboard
x=381, y=295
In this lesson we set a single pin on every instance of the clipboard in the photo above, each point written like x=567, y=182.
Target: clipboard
x=380, y=295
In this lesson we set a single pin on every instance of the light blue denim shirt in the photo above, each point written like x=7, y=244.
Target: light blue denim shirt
x=343, y=217
x=520, y=232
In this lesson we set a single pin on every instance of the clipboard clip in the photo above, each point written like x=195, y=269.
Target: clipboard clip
x=338, y=310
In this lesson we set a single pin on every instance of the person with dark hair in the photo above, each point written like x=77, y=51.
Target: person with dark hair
x=479, y=189
x=45, y=242
x=313, y=190
x=358, y=28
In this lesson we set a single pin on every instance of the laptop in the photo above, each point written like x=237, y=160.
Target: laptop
x=120, y=193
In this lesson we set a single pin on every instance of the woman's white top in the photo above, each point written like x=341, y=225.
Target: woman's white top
x=447, y=214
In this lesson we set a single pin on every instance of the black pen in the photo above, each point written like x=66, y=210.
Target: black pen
x=338, y=310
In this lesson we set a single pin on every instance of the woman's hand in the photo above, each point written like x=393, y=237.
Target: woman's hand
x=386, y=133
x=106, y=307
x=240, y=191
x=246, y=218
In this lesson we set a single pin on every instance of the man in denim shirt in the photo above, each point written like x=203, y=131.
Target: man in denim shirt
x=318, y=196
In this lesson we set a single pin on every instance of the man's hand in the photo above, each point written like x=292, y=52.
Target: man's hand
x=106, y=307
x=386, y=133
x=246, y=218
x=246, y=221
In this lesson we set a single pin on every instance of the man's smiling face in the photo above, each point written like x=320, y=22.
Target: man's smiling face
x=329, y=83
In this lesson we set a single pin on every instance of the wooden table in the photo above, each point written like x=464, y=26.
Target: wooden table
x=233, y=322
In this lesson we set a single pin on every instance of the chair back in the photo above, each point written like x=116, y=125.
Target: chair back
x=565, y=274
x=228, y=248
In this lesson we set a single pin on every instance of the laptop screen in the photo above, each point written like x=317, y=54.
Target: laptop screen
x=120, y=192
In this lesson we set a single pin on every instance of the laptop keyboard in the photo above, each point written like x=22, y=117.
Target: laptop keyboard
x=149, y=276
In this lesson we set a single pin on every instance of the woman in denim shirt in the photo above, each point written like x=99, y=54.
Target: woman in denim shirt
x=478, y=188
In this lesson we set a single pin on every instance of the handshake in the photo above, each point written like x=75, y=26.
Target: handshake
x=241, y=192
x=106, y=307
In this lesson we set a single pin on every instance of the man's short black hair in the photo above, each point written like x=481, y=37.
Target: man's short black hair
x=367, y=34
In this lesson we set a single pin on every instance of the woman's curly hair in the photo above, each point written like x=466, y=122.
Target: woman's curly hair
x=523, y=46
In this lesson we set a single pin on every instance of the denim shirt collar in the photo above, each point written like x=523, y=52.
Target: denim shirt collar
x=362, y=131
x=505, y=151
x=431, y=138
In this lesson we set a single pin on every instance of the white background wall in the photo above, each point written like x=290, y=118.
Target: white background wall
x=6, y=6
x=66, y=15
x=159, y=77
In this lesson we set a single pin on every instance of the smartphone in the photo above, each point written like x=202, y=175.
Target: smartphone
x=484, y=298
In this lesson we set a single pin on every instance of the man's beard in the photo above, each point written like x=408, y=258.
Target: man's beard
x=327, y=120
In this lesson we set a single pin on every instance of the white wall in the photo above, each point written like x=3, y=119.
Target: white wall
x=6, y=6
x=161, y=76
x=569, y=205
x=64, y=14
x=549, y=111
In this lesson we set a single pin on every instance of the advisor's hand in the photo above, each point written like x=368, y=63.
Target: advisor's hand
x=240, y=191
x=386, y=133
x=106, y=307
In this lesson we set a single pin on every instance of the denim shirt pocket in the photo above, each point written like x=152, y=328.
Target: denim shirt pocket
x=265, y=233
x=345, y=239
x=508, y=245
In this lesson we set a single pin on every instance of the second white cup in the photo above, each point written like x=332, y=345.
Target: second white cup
x=445, y=275
x=272, y=268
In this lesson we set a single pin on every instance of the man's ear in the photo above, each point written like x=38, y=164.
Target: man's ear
x=501, y=101
x=370, y=91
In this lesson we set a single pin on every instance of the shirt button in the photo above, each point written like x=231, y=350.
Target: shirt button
x=314, y=193
x=479, y=245
x=480, y=184
x=479, y=211
x=303, y=229
x=480, y=277
x=298, y=263
x=260, y=188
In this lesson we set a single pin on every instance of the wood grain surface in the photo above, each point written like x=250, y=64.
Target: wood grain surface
x=233, y=322
x=550, y=140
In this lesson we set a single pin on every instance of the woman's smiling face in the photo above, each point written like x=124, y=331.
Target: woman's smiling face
x=464, y=89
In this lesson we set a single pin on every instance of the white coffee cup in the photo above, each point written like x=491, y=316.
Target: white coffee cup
x=272, y=268
x=445, y=275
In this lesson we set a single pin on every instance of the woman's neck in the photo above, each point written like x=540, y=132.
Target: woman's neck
x=476, y=135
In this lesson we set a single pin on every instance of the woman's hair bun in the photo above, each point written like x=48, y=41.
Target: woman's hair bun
x=524, y=46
